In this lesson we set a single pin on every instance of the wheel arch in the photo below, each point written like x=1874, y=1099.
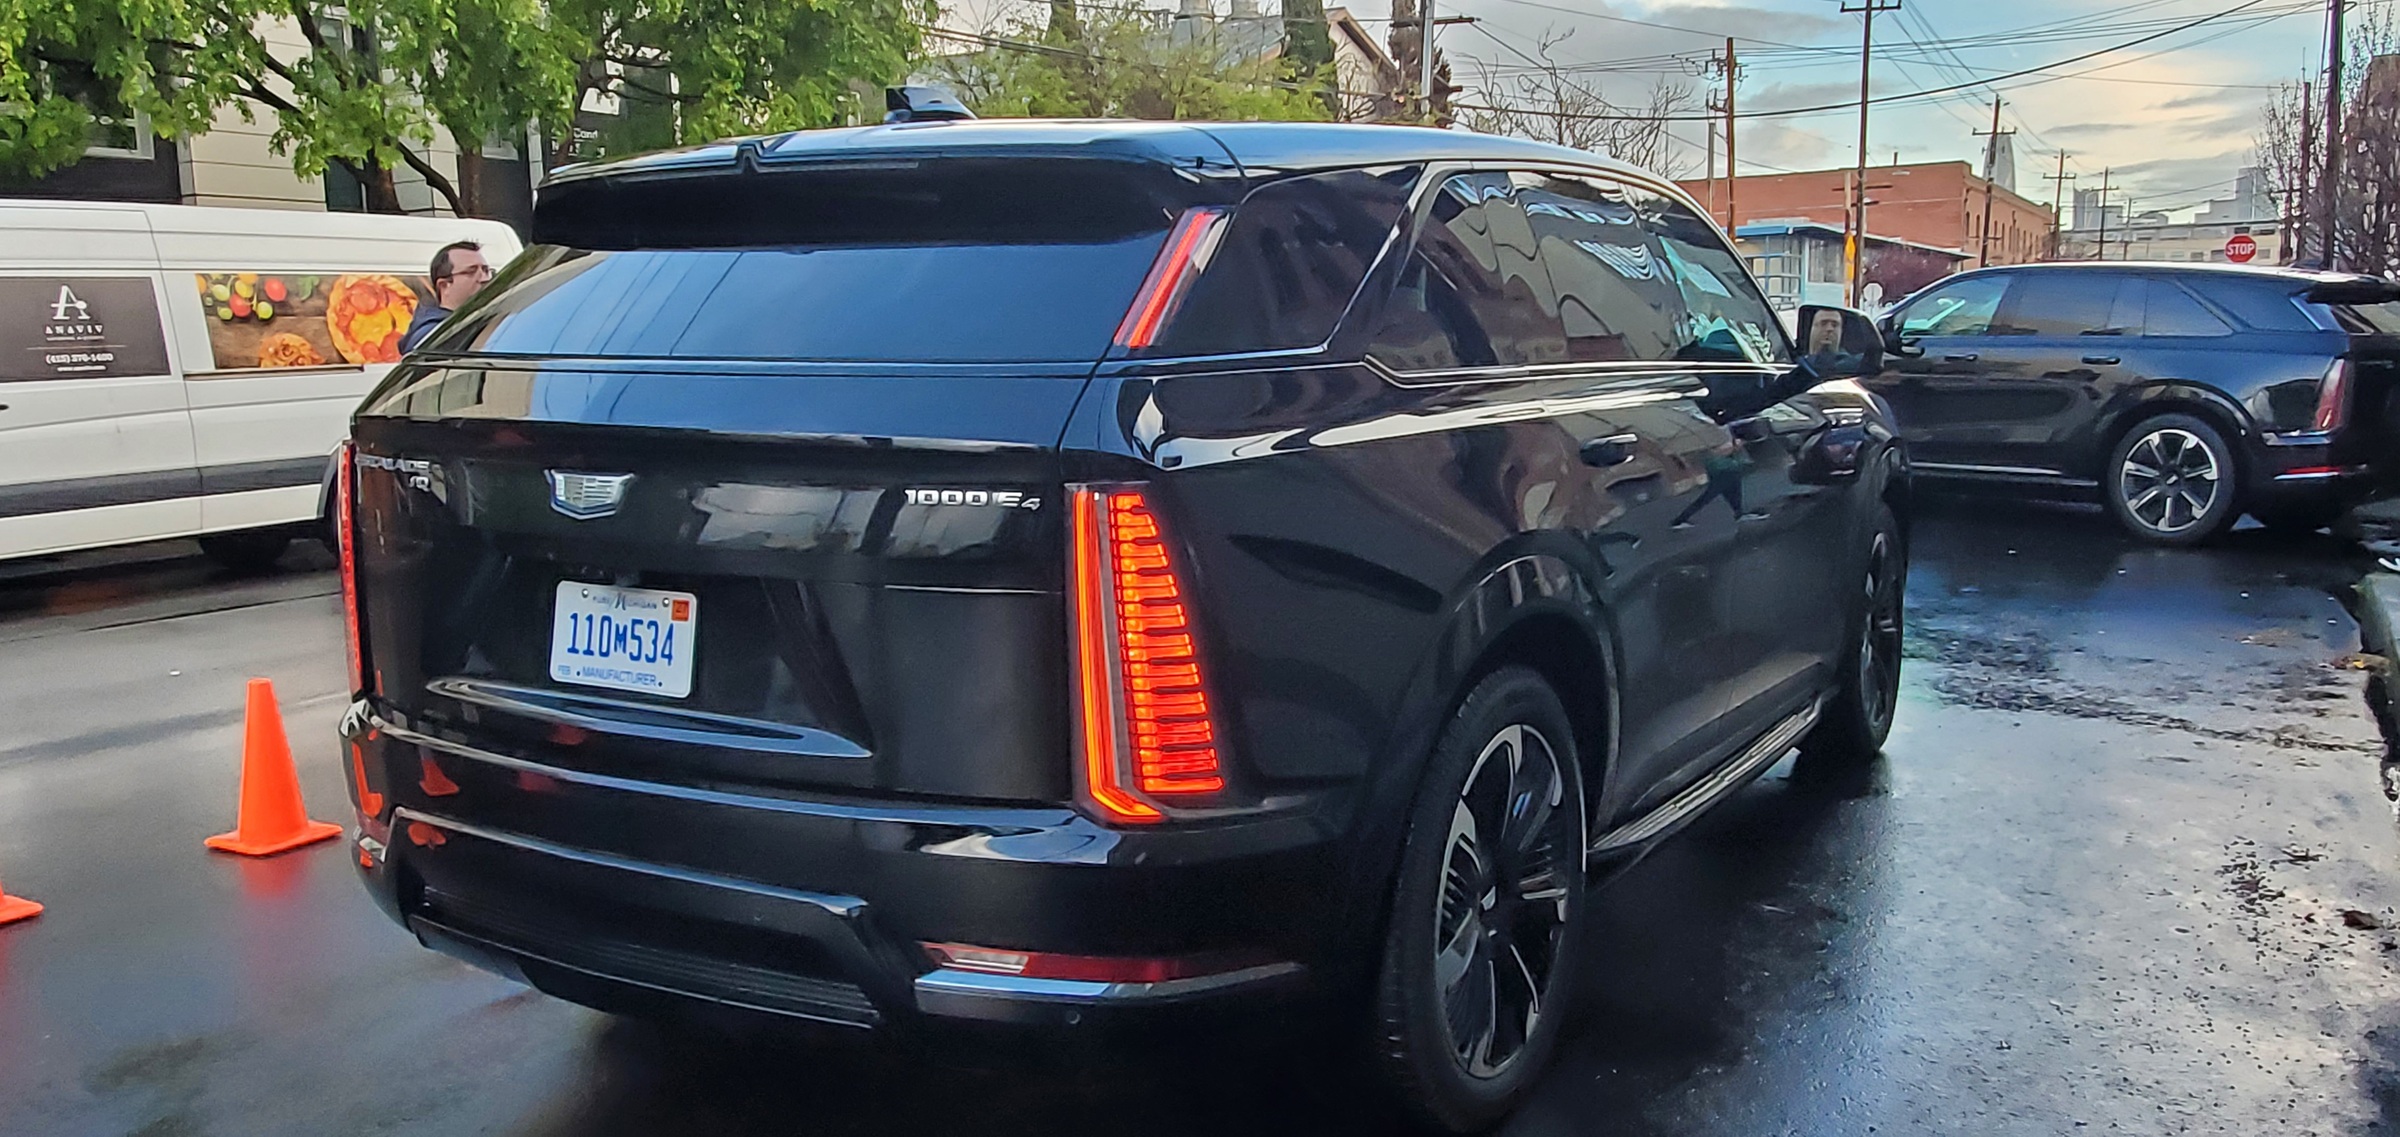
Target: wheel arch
x=2209, y=406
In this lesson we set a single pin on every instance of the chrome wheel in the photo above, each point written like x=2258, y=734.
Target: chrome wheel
x=1511, y=852
x=2170, y=480
x=1879, y=643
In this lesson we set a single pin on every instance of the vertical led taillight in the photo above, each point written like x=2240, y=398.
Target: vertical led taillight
x=2333, y=397
x=1148, y=735
x=1189, y=246
x=345, y=524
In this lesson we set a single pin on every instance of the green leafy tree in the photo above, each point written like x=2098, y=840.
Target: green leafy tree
x=1120, y=63
x=380, y=80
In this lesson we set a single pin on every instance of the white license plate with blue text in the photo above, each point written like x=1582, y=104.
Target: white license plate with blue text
x=632, y=639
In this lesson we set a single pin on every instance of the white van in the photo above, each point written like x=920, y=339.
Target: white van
x=176, y=371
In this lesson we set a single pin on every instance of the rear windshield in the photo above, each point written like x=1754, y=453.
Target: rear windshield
x=2368, y=319
x=961, y=262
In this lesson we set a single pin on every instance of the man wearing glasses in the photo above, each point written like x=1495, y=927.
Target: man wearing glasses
x=459, y=272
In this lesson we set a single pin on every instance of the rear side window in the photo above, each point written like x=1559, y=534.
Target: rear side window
x=2170, y=311
x=2368, y=319
x=2070, y=304
x=1290, y=262
x=2267, y=305
x=971, y=262
x=1471, y=294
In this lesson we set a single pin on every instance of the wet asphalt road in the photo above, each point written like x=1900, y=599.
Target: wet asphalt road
x=2097, y=886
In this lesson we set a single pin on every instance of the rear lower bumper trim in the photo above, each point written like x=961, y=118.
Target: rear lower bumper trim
x=981, y=995
x=843, y=906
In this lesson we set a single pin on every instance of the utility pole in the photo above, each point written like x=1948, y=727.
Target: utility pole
x=2332, y=185
x=2304, y=195
x=1711, y=177
x=1991, y=163
x=2101, y=252
x=1732, y=174
x=1425, y=58
x=1855, y=248
x=2058, y=192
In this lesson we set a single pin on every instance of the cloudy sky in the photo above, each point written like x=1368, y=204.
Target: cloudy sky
x=2170, y=118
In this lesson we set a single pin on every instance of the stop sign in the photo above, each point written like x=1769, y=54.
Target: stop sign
x=2239, y=248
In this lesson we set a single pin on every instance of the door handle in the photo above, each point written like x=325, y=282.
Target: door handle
x=2101, y=360
x=1614, y=450
x=1961, y=357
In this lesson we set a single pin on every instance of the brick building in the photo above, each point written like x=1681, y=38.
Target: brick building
x=1935, y=204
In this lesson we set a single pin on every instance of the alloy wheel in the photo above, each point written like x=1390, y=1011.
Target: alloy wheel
x=1503, y=906
x=1879, y=644
x=2170, y=480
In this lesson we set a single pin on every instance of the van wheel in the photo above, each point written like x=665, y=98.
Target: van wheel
x=246, y=553
x=1859, y=716
x=2171, y=481
x=1479, y=953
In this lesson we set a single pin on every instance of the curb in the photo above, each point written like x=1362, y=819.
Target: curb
x=2378, y=612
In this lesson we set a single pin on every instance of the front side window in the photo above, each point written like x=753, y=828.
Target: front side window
x=1642, y=277
x=1960, y=308
x=1472, y=293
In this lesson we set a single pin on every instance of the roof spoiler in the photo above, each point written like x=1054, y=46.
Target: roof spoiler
x=2353, y=290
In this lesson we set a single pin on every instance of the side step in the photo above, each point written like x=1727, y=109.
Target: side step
x=1752, y=761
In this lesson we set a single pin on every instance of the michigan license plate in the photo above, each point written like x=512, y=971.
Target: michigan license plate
x=631, y=639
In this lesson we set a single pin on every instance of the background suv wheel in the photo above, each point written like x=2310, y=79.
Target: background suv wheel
x=1490, y=892
x=2171, y=480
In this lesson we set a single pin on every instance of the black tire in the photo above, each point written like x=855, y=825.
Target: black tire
x=2171, y=480
x=1858, y=718
x=247, y=553
x=1503, y=925
x=2298, y=520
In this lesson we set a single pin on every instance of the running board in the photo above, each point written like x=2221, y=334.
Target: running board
x=1768, y=750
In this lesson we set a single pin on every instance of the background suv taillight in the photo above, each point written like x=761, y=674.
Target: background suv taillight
x=345, y=532
x=2333, y=398
x=1148, y=732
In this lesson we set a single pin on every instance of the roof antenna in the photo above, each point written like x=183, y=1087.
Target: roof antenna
x=922, y=104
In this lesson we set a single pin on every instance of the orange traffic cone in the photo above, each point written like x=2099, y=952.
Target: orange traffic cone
x=272, y=817
x=15, y=908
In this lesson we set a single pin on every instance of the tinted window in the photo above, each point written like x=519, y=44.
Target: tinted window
x=1641, y=277
x=2267, y=305
x=2171, y=311
x=1960, y=308
x=1290, y=262
x=2368, y=319
x=2068, y=304
x=1472, y=293
x=973, y=262
x=1726, y=320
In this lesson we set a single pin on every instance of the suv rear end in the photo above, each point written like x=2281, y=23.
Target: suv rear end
x=732, y=626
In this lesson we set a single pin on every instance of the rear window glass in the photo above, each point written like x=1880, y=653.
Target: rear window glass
x=969, y=262
x=1290, y=263
x=2368, y=319
x=2267, y=305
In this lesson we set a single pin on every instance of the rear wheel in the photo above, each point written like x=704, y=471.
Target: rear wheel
x=1476, y=961
x=2171, y=481
x=1859, y=716
x=246, y=553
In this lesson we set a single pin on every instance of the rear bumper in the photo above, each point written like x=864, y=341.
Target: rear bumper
x=2306, y=470
x=631, y=895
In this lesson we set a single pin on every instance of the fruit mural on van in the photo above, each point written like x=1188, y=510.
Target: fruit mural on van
x=271, y=320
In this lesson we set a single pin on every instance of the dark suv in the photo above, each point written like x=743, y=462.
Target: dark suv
x=1059, y=573
x=2185, y=395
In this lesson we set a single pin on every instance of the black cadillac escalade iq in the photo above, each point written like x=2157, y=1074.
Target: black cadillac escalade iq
x=1051, y=572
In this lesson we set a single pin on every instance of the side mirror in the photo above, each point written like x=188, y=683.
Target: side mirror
x=1839, y=343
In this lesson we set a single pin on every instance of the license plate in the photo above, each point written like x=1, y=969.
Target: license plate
x=631, y=639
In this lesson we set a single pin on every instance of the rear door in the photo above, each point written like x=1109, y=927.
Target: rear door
x=95, y=439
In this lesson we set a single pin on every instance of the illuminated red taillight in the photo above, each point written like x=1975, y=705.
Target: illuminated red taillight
x=1147, y=728
x=1099, y=968
x=1186, y=252
x=2333, y=397
x=345, y=525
